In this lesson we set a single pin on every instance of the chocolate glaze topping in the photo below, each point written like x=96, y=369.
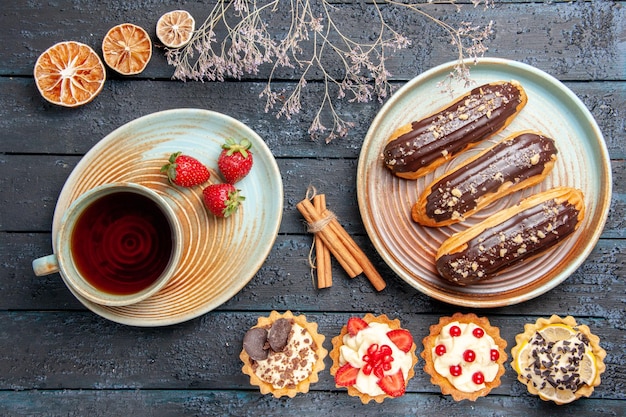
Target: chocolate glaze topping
x=482, y=111
x=514, y=160
x=521, y=236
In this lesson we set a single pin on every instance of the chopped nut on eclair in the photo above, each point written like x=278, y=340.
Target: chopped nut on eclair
x=421, y=146
x=515, y=234
x=516, y=162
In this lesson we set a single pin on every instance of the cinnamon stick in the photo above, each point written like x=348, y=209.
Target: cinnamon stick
x=322, y=253
x=345, y=259
x=341, y=243
x=368, y=268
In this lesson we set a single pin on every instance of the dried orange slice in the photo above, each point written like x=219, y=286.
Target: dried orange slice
x=175, y=29
x=69, y=74
x=127, y=48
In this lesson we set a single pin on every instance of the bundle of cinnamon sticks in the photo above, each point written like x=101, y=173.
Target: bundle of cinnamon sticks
x=332, y=238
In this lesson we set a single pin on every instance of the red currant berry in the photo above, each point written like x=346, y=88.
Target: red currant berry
x=367, y=369
x=469, y=355
x=478, y=378
x=372, y=349
x=494, y=354
x=455, y=331
x=455, y=370
x=478, y=332
x=440, y=350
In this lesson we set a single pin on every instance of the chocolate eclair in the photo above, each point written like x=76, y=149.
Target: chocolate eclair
x=421, y=146
x=516, y=162
x=517, y=233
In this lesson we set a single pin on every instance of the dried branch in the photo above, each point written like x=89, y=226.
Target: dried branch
x=313, y=39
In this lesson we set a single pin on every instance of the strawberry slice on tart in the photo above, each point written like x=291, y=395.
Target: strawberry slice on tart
x=356, y=324
x=401, y=338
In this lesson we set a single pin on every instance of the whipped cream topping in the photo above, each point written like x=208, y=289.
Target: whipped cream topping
x=293, y=364
x=354, y=348
x=464, y=355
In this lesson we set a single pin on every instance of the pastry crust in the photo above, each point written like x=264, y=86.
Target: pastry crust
x=334, y=354
x=446, y=387
x=530, y=329
x=419, y=147
x=474, y=254
x=302, y=386
x=519, y=161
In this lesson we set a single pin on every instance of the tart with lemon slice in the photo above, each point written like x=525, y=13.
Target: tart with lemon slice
x=558, y=359
x=464, y=355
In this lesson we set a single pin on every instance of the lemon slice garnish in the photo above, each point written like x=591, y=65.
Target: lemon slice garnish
x=588, y=368
x=559, y=396
x=556, y=332
x=522, y=358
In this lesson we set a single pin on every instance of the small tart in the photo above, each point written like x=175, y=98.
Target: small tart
x=487, y=357
x=385, y=323
x=557, y=338
x=315, y=342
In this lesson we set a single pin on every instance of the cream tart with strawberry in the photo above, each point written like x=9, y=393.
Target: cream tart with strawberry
x=283, y=354
x=373, y=357
x=464, y=355
x=558, y=359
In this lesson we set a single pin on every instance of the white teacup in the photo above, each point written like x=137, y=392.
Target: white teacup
x=117, y=244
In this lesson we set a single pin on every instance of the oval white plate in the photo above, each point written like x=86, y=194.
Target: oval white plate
x=385, y=201
x=220, y=255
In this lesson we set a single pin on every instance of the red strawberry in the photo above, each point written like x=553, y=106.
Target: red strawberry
x=185, y=171
x=222, y=199
x=401, y=338
x=235, y=160
x=346, y=375
x=356, y=324
x=393, y=385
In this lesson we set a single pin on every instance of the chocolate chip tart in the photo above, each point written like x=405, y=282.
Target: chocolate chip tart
x=558, y=359
x=283, y=354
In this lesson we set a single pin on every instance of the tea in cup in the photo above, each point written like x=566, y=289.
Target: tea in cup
x=117, y=244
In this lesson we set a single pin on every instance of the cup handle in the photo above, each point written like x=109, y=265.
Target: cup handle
x=46, y=265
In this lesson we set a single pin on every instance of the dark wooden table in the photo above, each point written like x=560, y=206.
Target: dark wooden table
x=59, y=359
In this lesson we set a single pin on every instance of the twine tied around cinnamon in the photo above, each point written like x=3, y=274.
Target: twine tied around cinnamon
x=317, y=226
x=321, y=261
x=331, y=235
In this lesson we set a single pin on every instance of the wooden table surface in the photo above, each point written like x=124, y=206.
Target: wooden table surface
x=57, y=358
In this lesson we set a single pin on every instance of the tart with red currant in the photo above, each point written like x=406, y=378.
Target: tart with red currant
x=464, y=355
x=373, y=357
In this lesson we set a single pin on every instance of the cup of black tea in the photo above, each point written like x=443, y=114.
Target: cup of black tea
x=117, y=244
